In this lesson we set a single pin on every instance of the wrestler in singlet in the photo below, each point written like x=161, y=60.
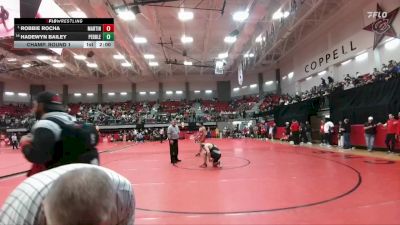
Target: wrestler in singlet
x=201, y=137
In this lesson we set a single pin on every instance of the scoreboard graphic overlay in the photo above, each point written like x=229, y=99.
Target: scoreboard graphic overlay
x=64, y=33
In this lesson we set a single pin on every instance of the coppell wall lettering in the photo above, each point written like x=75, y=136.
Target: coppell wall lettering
x=330, y=56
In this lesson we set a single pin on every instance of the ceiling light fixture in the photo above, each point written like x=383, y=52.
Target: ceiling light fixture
x=11, y=59
x=80, y=57
x=249, y=55
x=196, y=91
x=185, y=15
x=286, y=14
x=186, y=39
x=187, y=63
x=125, y=14
x=230, y=39
x=123, y=93
x=58, y=65
x=126, y=64
x=77, y=94
x=26, y=65
x=140, y=40
x=279, y=14
x=89, y=94
x=22, y=94
x=153, y=63
x=43, y=57
x=118, y=56
x=240, y=16
x=111, y=94
x=236, y=89
x=322, y=73
x=91, y=65
x=148, y=56
x=152, y=92
x=269, y=82
x=290, y=75
x=9, y=93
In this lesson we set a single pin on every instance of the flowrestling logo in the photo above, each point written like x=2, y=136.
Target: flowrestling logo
x=382, y=26
x=377, y=15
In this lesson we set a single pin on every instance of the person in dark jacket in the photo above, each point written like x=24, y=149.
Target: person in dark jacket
x=370, y=131
x=303, y=136
x=40, y=146
x=308, y=132
x=346, y=134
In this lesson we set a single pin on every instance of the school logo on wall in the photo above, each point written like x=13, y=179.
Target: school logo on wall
x=382, y=26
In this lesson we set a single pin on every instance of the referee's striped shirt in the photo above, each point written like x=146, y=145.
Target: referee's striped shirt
x=24, y=205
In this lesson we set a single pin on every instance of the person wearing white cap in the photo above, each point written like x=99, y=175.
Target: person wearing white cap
x=370, y=131
x=328, y=130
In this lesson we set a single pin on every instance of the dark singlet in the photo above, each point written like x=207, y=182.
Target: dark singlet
x=214, y=152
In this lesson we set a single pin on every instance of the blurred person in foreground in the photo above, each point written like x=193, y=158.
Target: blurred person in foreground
x=73, y=194
x=56, y=138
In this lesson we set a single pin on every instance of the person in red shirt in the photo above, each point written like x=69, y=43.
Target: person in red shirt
x=295, y=129
x=398, y=127
x=392, y=130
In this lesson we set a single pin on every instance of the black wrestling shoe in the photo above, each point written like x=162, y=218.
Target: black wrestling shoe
x=217, y=164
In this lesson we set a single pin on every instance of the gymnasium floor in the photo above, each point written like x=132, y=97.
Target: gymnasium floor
x=260, y=183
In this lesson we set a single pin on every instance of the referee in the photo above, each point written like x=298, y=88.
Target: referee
x=173, y=136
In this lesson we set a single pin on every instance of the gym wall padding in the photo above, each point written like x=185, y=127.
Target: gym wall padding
x=300, y=111
x=376, y=99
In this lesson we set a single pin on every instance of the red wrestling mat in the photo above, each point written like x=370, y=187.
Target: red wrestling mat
x=13, y=161
x=259, y=182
